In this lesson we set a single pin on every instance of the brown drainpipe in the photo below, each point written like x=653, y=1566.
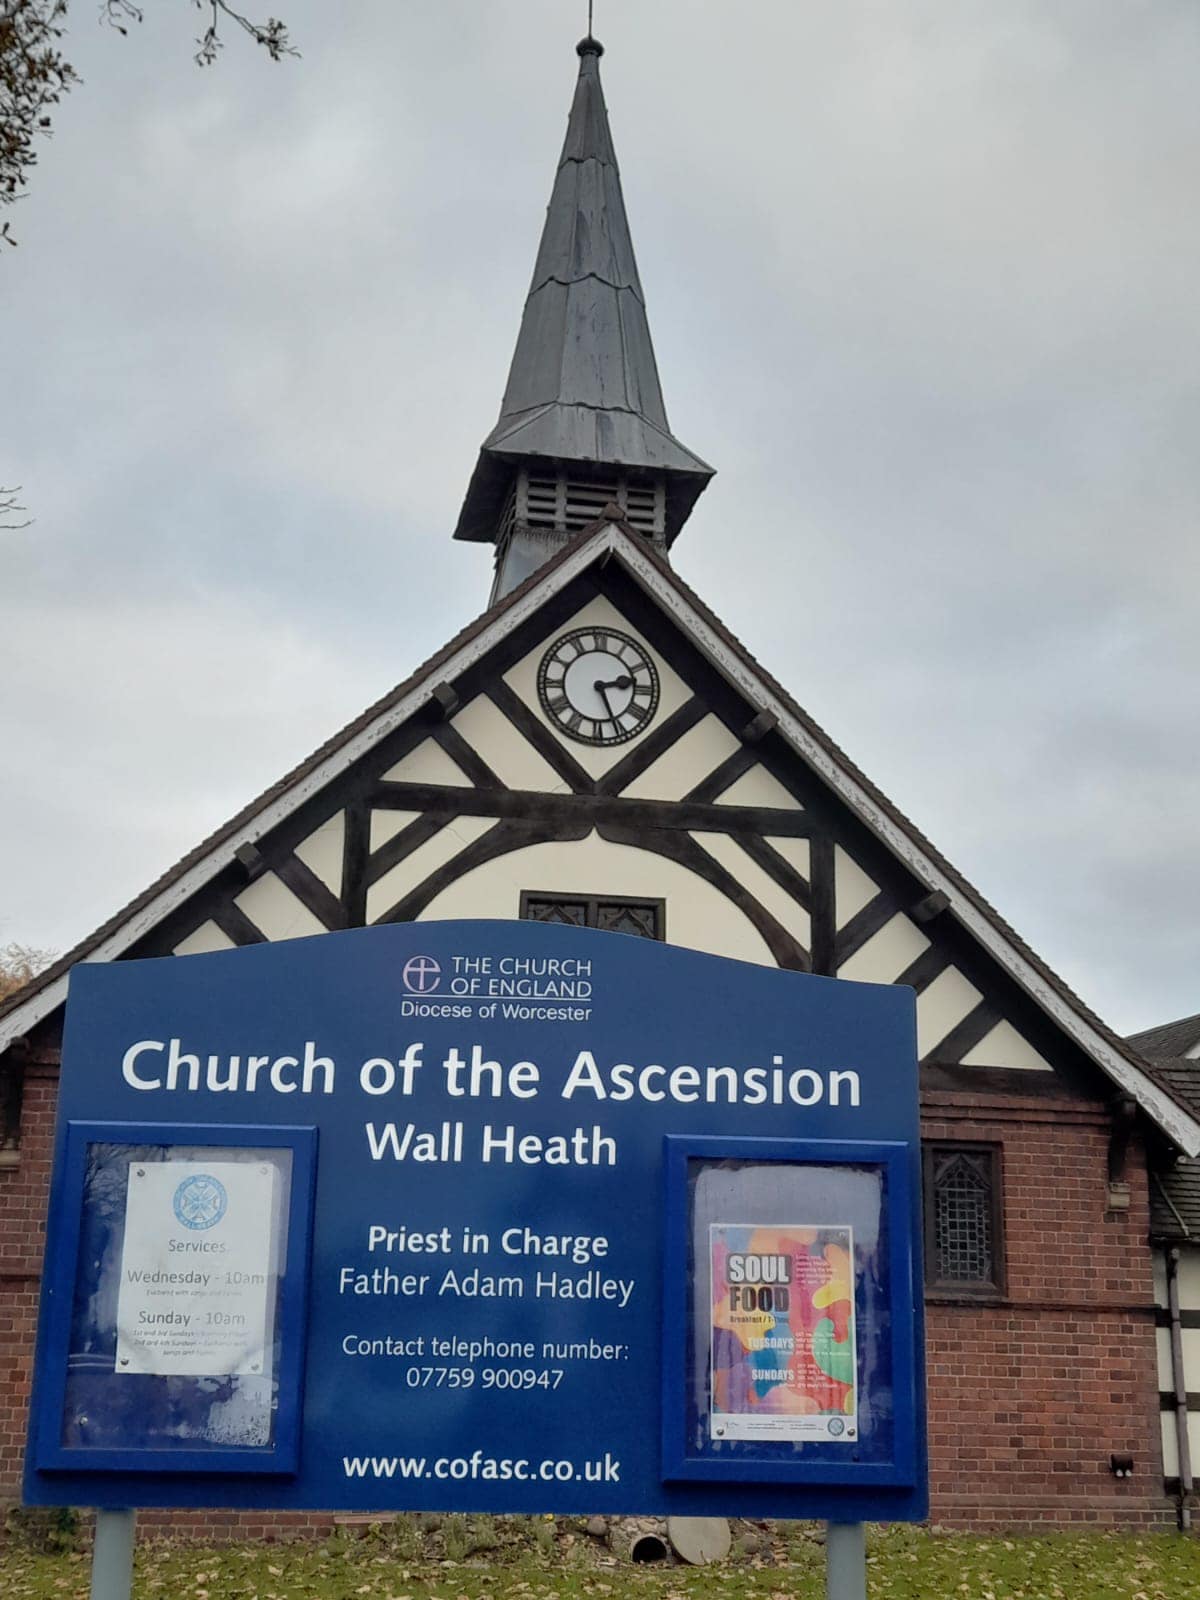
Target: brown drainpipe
x=1181, y=1406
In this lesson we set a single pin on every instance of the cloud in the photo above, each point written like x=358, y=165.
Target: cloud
x=920, y=279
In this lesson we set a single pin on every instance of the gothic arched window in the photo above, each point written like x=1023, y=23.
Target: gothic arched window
x=964, y=1245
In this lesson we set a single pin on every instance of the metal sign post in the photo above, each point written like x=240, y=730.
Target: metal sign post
x=846, y=1561
x=112, y=1555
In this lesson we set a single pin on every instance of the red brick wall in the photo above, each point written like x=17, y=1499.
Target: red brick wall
x=24, y=1191
x=1028, y=1396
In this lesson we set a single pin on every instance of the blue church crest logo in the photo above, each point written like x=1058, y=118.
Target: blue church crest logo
x=201, y=1201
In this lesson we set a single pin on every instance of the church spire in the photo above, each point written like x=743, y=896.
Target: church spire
x=582, y=421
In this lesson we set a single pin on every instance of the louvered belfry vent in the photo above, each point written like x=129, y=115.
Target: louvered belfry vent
x=568, y=502
x=544, y=508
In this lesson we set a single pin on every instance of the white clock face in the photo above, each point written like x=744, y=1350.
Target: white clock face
x=598, y=685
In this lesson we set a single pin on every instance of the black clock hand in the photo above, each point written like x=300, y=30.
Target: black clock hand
x=602, y=689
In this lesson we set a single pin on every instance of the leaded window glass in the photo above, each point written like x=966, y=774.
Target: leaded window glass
x=644, y=919
x=963, y=1241
x=573, y=913
x=617, y=916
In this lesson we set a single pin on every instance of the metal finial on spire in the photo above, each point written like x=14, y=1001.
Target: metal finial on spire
x=590, y=45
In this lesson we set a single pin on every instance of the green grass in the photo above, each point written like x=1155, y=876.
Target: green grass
x=486, y=1558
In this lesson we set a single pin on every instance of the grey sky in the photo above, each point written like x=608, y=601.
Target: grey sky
x=922, y=281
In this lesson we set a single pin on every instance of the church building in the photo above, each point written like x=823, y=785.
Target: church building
x=597, y=750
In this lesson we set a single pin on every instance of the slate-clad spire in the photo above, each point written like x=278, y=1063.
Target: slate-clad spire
x=583, y=394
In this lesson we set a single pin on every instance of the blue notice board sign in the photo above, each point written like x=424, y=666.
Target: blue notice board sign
x=486, y=1216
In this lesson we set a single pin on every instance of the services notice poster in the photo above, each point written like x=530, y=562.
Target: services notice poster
x=197, y=1289
x=784, y=1364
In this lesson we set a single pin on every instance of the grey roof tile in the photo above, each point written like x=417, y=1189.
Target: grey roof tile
x=1181, y=1075
x=1175, y=1202
x=1168, y=1038
x=1174, y=1190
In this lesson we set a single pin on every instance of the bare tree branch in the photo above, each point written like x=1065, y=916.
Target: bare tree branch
x=34, y=75
x=10, y=508
x=271, y=34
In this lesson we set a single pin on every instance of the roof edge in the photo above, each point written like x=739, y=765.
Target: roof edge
x=612, y=534
x=1114, y=1058
x=31, y=1004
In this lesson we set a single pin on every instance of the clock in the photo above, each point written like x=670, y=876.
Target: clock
x=598, y=686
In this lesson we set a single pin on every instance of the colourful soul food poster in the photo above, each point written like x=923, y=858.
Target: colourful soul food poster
x=784, y=1365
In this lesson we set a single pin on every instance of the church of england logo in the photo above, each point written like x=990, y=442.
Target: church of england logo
x=200, y=1201
x=421, y=975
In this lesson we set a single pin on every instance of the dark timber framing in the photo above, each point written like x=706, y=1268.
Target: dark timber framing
x=235, y=924
x=823, y=908
x=523, y=817
x=554, y=809
x=356, y=847
x=761, y=851
x=530, y=727
x=863, y=925
x=682, y=848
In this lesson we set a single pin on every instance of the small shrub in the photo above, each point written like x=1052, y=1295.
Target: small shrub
x=47, y=1530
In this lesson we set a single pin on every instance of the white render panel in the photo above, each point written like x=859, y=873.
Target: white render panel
x=1189, y=1283
x=1162, y=1345
x=758, y=787
x=887, y=953
x=386, y=825
x=321, y=852
x=207, y=938
x=764, y=888
x=1003, y=1046
x=943, y=1006
x=1171, y=1446
x=1160, y=1280
x=275, y=911
x=698, y=916
x=793, y=851
x=687, y=763
x=598, y=613
x=428, y=763
x=427, y=858
x=509, y=753
x=1191, y=1361
x=852, y=888
x=1191, y=1358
